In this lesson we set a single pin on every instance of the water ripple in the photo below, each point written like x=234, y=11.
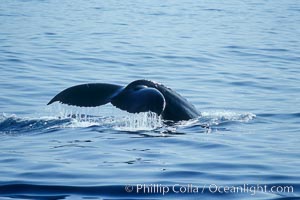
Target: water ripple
x=237, y=62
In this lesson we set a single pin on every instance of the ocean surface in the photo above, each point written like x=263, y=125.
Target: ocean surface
x=238, y=62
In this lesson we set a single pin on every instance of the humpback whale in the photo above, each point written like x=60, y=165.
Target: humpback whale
x=138, y=96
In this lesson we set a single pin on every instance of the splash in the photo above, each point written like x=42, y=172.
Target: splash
x=107, y=116
x=217, y=117
x=140, y=121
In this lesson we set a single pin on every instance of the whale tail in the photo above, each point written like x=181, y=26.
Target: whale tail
x=131, y=99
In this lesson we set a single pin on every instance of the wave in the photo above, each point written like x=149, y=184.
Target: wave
x=12, y=124
x=73, y=118
x=144, y=191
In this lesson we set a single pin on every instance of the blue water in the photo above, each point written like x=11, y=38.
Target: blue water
x=237, y=61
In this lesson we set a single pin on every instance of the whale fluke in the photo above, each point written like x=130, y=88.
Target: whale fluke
x=138, y=96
